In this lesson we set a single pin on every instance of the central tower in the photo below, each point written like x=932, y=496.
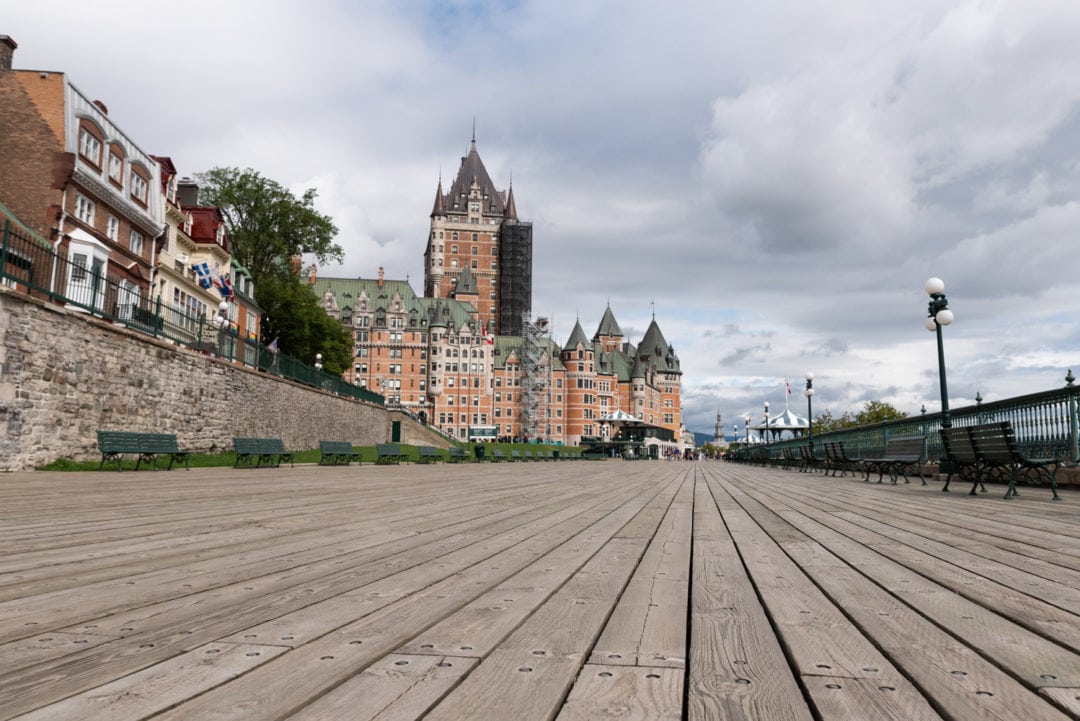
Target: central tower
x=475, y=227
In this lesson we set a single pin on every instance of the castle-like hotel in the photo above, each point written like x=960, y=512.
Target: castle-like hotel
x=467, y=356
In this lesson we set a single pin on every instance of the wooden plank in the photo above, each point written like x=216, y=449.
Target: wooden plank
x=45, y=647
x=478, y=627
x=958, y=680
x=648, y=626
x=396, y=688
x=289, y=682
x=819, y=639
x=527, y=677
x=80, y=671
x=163, y=685
x=628, y=694
x=737, y=667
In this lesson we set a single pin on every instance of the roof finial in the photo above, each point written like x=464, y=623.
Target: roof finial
x=653, y=304
x=474, y=131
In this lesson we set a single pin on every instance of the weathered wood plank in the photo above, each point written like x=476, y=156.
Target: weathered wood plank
x=626, y=693
x=737, y=667
x=396, y=688
x=156, y=688
x=648, y=626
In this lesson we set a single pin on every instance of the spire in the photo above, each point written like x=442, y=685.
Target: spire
x=608, y=325
x=472, y=170
x=439, y=209
x=577, y=337
x=474, y=132
x=511, y=209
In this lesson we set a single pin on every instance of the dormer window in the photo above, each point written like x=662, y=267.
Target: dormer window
x=89, y=147
x=138, y=187
x=116, y=169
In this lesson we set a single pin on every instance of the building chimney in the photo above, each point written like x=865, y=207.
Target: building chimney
x=312, y=273
x=7, y=52
x=187, y=193
x=380, y=276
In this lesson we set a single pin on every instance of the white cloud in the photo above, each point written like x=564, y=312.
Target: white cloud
x=778, y=177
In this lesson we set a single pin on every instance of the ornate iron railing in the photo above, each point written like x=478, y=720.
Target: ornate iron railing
x=1046, y=425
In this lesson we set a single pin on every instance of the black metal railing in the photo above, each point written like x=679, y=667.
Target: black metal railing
x=1047, y=425
x=31, y=266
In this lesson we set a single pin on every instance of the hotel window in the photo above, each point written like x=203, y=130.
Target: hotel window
x=475, y=250
x=138, y=187
x=116, y=169
x=112, y=228
x=84, y=209
x=136, y=242
x=89, y=147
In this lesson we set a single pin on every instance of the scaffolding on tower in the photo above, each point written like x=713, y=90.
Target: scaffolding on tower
x=535, y=377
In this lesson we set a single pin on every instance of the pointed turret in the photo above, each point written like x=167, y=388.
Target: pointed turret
x=439, y=209
x=577, y=337
x=511, y=209
x=472, y=171
x=466, y=284
x=609, y=327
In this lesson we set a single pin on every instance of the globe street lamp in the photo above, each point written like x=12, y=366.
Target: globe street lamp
x=747, y=420
x=766, y=422
x=222, y=323
x=809, y=393
x=939, y=315
x=318, y=361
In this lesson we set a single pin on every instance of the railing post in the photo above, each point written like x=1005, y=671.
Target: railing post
x=1074, y=425
x=4, y=247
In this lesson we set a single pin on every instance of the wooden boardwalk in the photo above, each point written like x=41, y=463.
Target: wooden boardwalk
x=571, y=591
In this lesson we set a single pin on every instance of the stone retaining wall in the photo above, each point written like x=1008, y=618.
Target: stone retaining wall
x=64, y=375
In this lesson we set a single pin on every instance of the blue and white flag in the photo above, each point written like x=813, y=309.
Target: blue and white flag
x=202, y=270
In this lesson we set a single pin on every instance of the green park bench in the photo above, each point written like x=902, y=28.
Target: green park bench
x=251, y=452
x=389, y=454
x=148, y=446
x=429, y=454
x=335, y=452
x=902, y=455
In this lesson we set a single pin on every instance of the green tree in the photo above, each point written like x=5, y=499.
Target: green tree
x=826, y=422
x=872, y=412
x=292, y=314
x=268, y=226
x=877, y=412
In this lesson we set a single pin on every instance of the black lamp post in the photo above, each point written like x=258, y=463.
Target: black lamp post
x=747, y=420
x=939, y=315
x=809, y=393
x=766, y=422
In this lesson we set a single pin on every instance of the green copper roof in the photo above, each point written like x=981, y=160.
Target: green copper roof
x=577, y=337
x=608, y=325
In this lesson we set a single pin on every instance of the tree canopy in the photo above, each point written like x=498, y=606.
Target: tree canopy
x=872, y=412
x=268, y=226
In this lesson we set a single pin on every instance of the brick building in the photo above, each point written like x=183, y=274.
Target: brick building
x=451, y=357
x=475, y=228
x=111, y=212
x=77, y=179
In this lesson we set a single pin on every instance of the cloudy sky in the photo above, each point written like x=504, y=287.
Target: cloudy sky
x=777, y=178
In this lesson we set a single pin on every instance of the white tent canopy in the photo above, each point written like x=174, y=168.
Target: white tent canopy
x=786, y=421
x=619, y=416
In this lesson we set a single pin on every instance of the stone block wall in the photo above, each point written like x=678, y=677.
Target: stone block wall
x=64, y=375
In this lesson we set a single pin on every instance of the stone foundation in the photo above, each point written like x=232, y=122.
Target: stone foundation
x=64, y=375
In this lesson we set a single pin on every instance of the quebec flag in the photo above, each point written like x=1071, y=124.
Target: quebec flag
x=202, y=270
